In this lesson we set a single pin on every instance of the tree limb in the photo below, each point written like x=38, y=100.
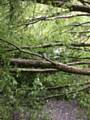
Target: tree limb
x=71, y=7
x=58, y=65
x=86, y=87
x=40, y=63
x=68, y=69
x=33, y=70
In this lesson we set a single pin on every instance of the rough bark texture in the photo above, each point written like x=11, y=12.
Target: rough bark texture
x=69, y=69
x=80, y=8
x=59, y=3
x=49, y=65
x=31, y=63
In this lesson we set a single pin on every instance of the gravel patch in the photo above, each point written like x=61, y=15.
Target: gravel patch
x=63, y=110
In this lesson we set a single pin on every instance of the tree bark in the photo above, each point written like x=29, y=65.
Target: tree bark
x=40, y=63
x=50, y=66
x=59, y=3
x=34, y=70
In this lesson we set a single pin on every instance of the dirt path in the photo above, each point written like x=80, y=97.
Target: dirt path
x=56, y=110
x=63, y=110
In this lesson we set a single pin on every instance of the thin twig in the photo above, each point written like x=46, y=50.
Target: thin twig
x=67, y=93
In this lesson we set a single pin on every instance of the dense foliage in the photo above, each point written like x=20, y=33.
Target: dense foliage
x=38, y=32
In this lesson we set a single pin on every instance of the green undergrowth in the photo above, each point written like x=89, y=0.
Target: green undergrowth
x=27, y=93
x=23, y=94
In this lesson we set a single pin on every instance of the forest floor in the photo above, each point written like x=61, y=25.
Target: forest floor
x=56, y=110
x=63, y=110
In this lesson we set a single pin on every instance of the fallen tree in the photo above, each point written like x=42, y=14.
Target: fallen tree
x=40, y=66
x=57, y=65
x=40, y=63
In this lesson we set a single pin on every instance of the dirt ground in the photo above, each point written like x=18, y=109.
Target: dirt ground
x=56, y=110
x=63, y=110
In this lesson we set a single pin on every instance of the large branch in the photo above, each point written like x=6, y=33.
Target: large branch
x=33, y=70
x=31, y=63
x=59, y=3
x=57, y=44
x=48, y=66
x=53, y=44
x=56, y=66
x=81, y=8
x=52, y=17
x=59, y=66
x=69, y=69
x=40, y=63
